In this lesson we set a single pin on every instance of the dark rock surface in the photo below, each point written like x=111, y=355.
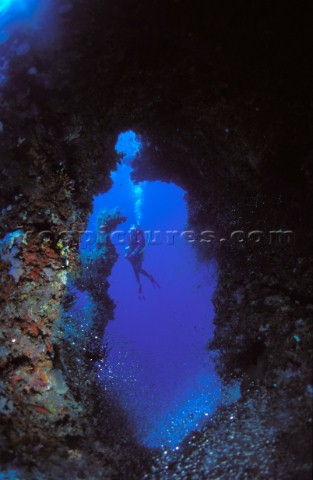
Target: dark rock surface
x=221, y=95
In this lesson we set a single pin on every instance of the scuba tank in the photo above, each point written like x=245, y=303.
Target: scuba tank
x=128, y=250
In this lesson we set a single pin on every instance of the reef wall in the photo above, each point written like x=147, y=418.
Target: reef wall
x=56, y=421
x=221, y=95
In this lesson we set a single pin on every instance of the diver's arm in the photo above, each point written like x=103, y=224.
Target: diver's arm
x=140, y=246
x=137, y=250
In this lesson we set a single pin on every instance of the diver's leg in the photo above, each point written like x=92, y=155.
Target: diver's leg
x=146, y=274
x=136, y=272
x=151, y=278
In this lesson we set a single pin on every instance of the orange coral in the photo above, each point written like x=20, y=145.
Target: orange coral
x=50, y=253
x=34, y=273
x=49, y=347
x=33, y=329
x=38, y=408
x=30, y=258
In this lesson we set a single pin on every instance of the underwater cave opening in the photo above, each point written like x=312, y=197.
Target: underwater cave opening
x=158, y=367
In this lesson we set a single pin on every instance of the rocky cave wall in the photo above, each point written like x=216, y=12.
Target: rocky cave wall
x=220, y=94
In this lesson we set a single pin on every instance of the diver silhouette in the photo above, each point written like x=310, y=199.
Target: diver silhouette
x=135, y=254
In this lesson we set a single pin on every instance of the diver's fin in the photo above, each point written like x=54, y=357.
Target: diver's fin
x=155, y=283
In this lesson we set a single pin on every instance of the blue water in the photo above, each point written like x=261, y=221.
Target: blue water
x=19, y=13
x=158, y=367
x=7, y=5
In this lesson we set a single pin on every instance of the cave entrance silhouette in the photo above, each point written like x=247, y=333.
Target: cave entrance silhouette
x=158, y=367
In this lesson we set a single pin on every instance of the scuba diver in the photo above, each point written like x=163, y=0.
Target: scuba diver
x=135, y=253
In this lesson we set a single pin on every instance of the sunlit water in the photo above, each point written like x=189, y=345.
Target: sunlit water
x=158, y=366
x=26, y=27
x=16, y=15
